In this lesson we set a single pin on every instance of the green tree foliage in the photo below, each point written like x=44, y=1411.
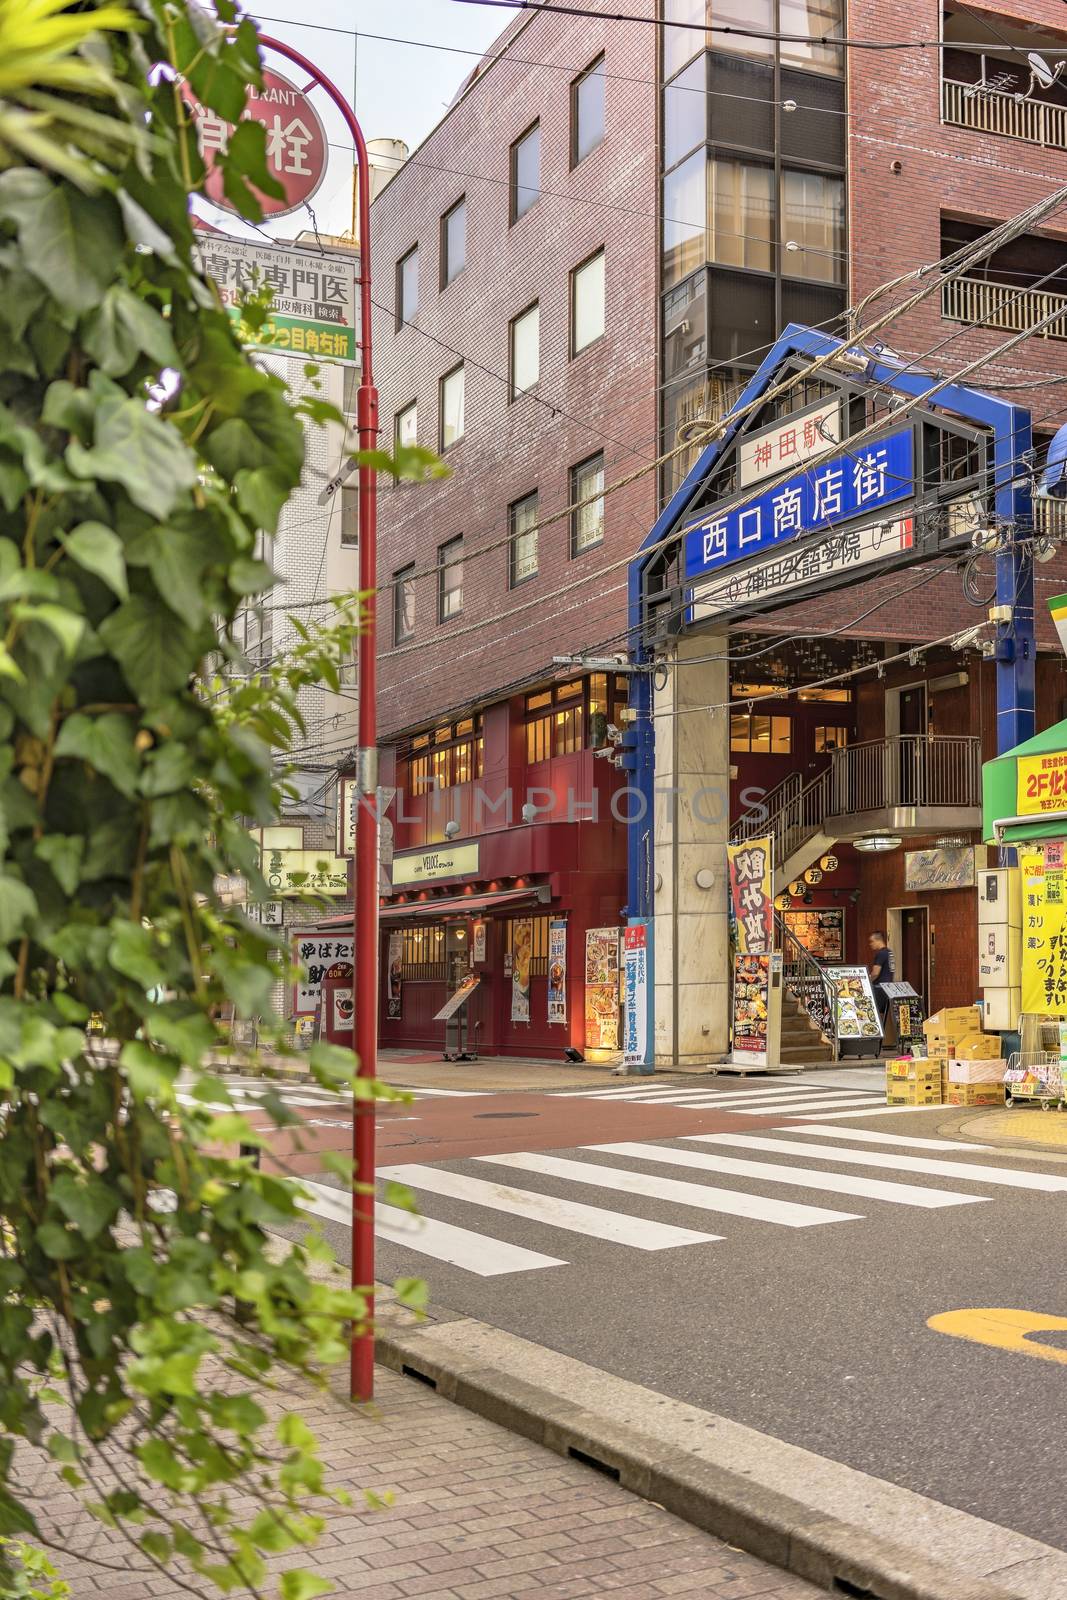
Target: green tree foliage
x=142, y=456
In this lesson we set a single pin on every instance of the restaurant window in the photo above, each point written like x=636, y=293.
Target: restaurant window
x=452, y=408
x=587, y=302
x=741, y=215
x=455, y=756
x=525, y=171
x=450, y=579
x=539, y=947
x=453, y=242
x=407, y=286
x=587, y=111
x=587, y=519
x=524, y=351
x=522, y=522
x=830, y=738
x=813, y=217
x=560, y=721
x=404, y=603
x=761, y=735
x=423, y=953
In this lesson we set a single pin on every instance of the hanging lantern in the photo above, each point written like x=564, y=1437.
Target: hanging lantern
x=782, y=902
x=813, y=875
x=796, y=888
x=829, y=863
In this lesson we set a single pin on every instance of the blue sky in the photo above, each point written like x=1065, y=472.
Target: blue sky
x=401, y=90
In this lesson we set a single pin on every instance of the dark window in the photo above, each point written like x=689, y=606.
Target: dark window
x=525, y=171
x=522, y=524
x=407, y=286
x=587, y=111
x=404, y=603
x=453, y=242
x=587, y=521
x=450, y=579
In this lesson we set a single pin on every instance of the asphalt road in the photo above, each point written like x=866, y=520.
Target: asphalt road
x=806, y=1318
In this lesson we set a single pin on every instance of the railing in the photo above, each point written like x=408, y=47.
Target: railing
x=803, y=978
x=908, y=770
x=1050, y=517
x=994, y=111
x=753, y=823
x=997, y=305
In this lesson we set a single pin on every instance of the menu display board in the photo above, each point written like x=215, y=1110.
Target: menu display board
x=855, y=1011
x=752, y=986
x=602, y=989
x=821, y=932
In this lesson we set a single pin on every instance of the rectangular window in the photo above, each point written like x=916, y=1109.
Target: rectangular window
x=685, y=112
x=452, y=408
x=557, y=734
x=587, y=521
x=525, y=171
x=406, y=427
x=524, y=354
x=741, y=215
x=761, y=735
x=814, y=20
x=587, y=302
x=587, y=111
x=680, y=44
x=349, y=498
x=404, y=603
x=453, y=242
x=685, y=218
x=407, y=286
x=522, y=519
x=813, y=219
x=829, y=738
x=450, y=579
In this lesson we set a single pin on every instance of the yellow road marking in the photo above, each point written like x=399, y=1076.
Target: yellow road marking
x=1005, y=1328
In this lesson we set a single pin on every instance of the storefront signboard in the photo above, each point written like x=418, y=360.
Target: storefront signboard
x=635, y=995
x=1044, y=975
x=443, y=861
x=478, y=943
x=394, y=978
x=290, y=872
x=313, y=307
x=799, y=438
x=821, y=932
x=343, y=1010
x=297, y=149
x=751, y=902
x=316, y=956
x=602, y=989
x=752, y=992
x=461, y=996
x=1042, y=783
x=804, y=565
x=557, y=970
x=522, y=946
x=939, y=869
x=855, y=1011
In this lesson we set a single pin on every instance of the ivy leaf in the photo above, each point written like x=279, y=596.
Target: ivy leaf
x=133, y=953
x=135, y=447
x=106, y=743
x=249, y=576
x=66, y=626
x=71, y=242
x=17, y=906
x=123, y=329
x=63, y=853
x=90, y=1205
x=100, y=552
x=247, y=152
x=155, y=651
x=301, y=1585
x=261, y=494
x=57, y=1242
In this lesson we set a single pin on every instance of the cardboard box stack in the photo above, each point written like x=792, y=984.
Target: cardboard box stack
x=912, y=1081
x=946, y=1028
x=976, y=1071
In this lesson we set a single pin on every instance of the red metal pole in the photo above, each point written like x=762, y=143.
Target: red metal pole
x=365, y=917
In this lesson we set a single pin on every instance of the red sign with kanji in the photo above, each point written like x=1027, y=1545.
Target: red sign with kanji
x=297, y=148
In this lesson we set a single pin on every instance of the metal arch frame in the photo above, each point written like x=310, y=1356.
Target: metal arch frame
x=1015, y=654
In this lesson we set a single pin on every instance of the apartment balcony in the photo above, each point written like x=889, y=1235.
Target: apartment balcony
x=969, y=105
x=998, y=305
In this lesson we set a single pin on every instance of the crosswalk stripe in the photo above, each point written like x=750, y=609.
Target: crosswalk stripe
x=459, y=1247
x=615, y=1226
x=758, y=1208
x=763, y=1096
x=883, y=1111
x=973, y=1171
x=869, y=1137
x=797, y=1108
x=901, y=1194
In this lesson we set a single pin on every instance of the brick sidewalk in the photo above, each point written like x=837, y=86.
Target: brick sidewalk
x=479, y=1514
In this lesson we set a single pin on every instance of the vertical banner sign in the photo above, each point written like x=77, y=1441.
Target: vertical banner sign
x=635, y=996
x=394, y=980
x=522, y=943
x=557, y=970
x=751, y=904
x=602, y=989
x=315, y=957
x=1044, y=931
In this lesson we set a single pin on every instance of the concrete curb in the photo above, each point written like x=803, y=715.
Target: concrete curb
x=837, y=1527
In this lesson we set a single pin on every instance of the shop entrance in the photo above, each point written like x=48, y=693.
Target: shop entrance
x=909, y=939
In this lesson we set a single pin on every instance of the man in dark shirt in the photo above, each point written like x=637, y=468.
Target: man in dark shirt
x=881, y=970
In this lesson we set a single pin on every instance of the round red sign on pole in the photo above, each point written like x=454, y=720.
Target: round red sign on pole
x=297, y=148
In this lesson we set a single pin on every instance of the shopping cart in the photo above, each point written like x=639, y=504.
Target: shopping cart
x=1036, y=1076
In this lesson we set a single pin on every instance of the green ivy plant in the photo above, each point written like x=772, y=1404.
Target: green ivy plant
x=142, y=458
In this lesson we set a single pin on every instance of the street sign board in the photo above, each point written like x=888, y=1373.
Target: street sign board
x=297, y=146
x=313, y=309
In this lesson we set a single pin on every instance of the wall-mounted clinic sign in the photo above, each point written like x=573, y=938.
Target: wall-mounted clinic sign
x=446, y=861
x=304, y=871
x=788, y=443
x=313, y=311
x=828, y=493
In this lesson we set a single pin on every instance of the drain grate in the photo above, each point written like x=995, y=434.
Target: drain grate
x=501, y=1116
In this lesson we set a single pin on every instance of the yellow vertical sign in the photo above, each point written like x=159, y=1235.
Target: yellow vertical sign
x=1044, y=932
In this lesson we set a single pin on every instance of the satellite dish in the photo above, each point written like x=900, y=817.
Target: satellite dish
x=1041, y=70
